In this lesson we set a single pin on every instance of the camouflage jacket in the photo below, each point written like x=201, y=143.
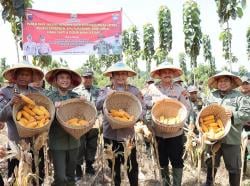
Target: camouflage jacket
x=6, y=94
x=58, y=138
x=90, y=94
x=239, y=105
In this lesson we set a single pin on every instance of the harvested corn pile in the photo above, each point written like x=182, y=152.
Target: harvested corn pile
x=77, y=122
x=121, y=115
x=32, y=115
x=212, y=127
x=169, y=120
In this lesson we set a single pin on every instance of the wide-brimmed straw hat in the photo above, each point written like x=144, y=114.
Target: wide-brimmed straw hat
x=245, y=79
x=213, y=81
x=156, y=72
x=118, y=67
x=75, y=77
x=10, y=74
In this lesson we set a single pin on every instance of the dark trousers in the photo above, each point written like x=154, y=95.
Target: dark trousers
x=1, y=181
x=132, y=163
x=170, y=149
x=64, y=162
x=88, y=147
x=232, y=158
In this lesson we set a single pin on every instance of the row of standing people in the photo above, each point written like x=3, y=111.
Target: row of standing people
x=64, y=148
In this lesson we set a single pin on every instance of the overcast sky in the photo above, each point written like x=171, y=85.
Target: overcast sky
x=140, y=12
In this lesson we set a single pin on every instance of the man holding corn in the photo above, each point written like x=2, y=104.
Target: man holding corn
x=63, y=147
x=237, y=110
x=115, y=137
x=170, y=145
x=20, y=76
x=88, y=146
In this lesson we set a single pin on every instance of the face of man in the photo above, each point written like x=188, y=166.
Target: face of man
x=63, y=81
x=245, y=88
x=87, y=81
x=193, y=96
x=23, y=77
x=166, y=75
x=224, y=83
x=120, y=78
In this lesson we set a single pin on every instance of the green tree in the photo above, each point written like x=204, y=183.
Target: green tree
x=13, y=12
x=148, y=40
x=3, y=67
x=131, y=46
x=42, y=61
x=248, y=43
x=165, y=30
x=192, y=32
x=207, y=53
x=242, y=71
x=159, y=56
x=229, y=9
x=202, y=73
x=183, y=65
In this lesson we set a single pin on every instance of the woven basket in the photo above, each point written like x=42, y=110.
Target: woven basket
x=72, y=108
x=39, y=100
x=219, y=112
x=122, y=100
x=168, y=108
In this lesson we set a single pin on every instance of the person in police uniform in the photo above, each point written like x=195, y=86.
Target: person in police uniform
x=88, y=146
x=63, y=147
x=237, y=110
x=170, y=145
x=20, y=76
x=120, y=73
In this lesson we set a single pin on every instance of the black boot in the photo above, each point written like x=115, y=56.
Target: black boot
x=234, y=179
x=79, y=172
x=210, y=178
x=89, y=168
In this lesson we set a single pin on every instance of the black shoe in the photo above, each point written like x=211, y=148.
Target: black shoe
x=79, y=172
x=89, y=168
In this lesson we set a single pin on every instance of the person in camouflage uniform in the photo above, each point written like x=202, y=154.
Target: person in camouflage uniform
x=196, y=104
x=170, y=145
x=237, y=110
x=102, y=47
x=63, y=147
x=245, y=90
x=120, y=73
x=88, y=146
x=20, y=76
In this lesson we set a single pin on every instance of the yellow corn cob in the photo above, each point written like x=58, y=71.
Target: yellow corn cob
x=216, y=130
x=212, y=125
x=45, y=111
x=19, y=115
x=22, y=123
x=204, y=128
x=121, y=118
x=115, y=113
x=27, y=100
x=165, y=121
x=32, y=124
x=30, y=106
x=207, y=122
x=131, y=118
x=161, y=119
x=41, y=122
x=72, y=120
x=37, y=111
x=26, y=115
x=27, y=109
x=219, y=134
x=24, y=120
x=83, y=122
x=210, y=117
x=38, y=118
x=220, y=123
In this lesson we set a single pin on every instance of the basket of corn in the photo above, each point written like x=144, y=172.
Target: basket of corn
x=122, y=109
x=213, y=122
x=168, y=115
x=33, y=115
x=76, y=116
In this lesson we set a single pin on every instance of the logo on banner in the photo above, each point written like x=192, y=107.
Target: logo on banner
x=29, y=16
x=73, y=19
